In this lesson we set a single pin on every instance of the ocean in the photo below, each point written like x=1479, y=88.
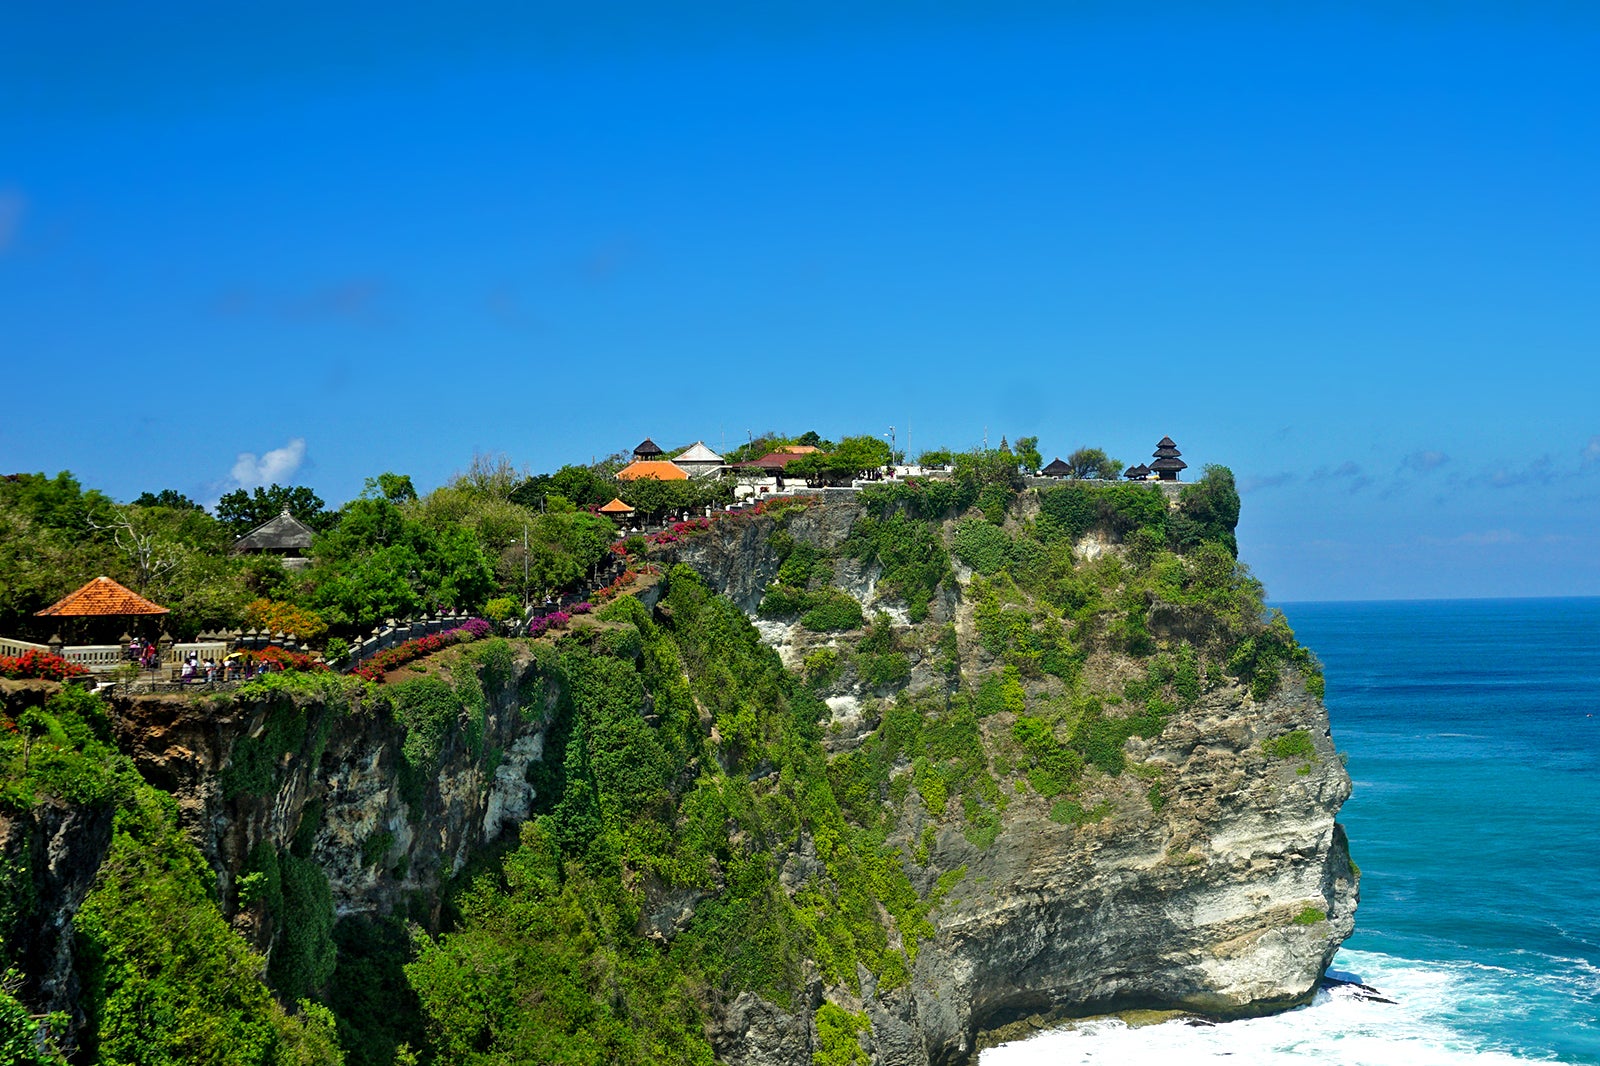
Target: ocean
x=1473, y=733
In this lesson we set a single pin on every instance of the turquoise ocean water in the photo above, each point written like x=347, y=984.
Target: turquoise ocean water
x=1473, y=733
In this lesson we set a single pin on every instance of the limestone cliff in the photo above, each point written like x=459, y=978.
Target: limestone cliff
x=1223, y=888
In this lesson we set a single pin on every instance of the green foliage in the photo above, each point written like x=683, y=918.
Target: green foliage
x=1311, y=916
x=911, y=556
x=838, y=1037
x=1071, y=812
x=166, y=980
x=1208, y=511
x=381, y=563
x=253, y=765
x=241, y=510
x=981, y=545
x=61, y=750
x=1296, y=744
x=1258, y=659
x=830, y=610
x=24, y=1040
x=1070, y=511
x=1093, y=463
x=376, y=847
x=375, y=1005
x=303, y=959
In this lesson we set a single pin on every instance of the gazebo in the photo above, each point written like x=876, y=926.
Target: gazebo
x=284, y=536
x=1167, y=463
x=1056, y=468
x=646, y=450
x=1137, y=473
x=98, y=609
x=616, y=509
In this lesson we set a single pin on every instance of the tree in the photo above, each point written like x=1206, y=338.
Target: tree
x=177, y=501
x=242, y=511
x=1093, y=463
x=396, y=488
x=1028, y=453
x=851, y=458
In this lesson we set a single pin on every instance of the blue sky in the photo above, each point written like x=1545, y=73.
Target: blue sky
x=1352, y=252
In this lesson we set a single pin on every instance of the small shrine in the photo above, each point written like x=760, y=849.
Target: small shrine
x=1167, y=464
x=646, y=451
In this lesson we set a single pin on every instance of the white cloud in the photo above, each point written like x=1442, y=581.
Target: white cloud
x=278, y=465
x=1591, y=451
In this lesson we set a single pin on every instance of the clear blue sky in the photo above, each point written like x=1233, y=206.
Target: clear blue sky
x=1352, y=252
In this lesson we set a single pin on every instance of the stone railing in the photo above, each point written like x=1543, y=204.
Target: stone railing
x=215, y=650
x=20, y=647
x=393, y=632
x=96, y=658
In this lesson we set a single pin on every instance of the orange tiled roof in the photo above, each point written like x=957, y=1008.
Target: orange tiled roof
x=796, y=449
x=659, y=469
x=101, y=597
x=616, y=506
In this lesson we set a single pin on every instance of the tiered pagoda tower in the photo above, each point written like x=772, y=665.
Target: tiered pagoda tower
x=1167, y=463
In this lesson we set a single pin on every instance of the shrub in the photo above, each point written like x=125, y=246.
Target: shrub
x=39, y=664
x=1310, y=916
x=1293, y=745
x=832, y=610
x=980, y=545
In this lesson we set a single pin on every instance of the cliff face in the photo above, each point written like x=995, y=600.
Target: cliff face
x=1212, y=877
x=336, y=787
x=1190, y=861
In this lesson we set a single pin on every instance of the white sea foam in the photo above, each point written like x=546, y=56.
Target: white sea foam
x=1421, y=1028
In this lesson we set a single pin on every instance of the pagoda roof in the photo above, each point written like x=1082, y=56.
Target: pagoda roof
x=1133, y=473
x=1166, y=449
x=1056, y=468
x=698, y=453
x=283, y=533
x=101, y=598
x=616, y=506
x=647, y=447
x=1168, y=462
x=659, y=469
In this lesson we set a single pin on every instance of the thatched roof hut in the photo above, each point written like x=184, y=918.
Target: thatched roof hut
x=284, y=536
x=1056, y=468
x=646, y=450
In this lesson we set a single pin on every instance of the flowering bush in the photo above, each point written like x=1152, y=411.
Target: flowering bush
x=582, y=608
x=283, y=659
x=374, y=668
x=276, y=617
x=39, y=664
x=554, y=620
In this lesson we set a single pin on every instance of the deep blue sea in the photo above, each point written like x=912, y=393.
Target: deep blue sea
x=1473, y=733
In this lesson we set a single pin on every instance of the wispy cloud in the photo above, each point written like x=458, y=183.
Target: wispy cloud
x=1424, y=462
x=278, y=465
x=1540, y=471
x=1347, y=475
x=1266, y=481
x=1590, y=456
x=12, y=206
